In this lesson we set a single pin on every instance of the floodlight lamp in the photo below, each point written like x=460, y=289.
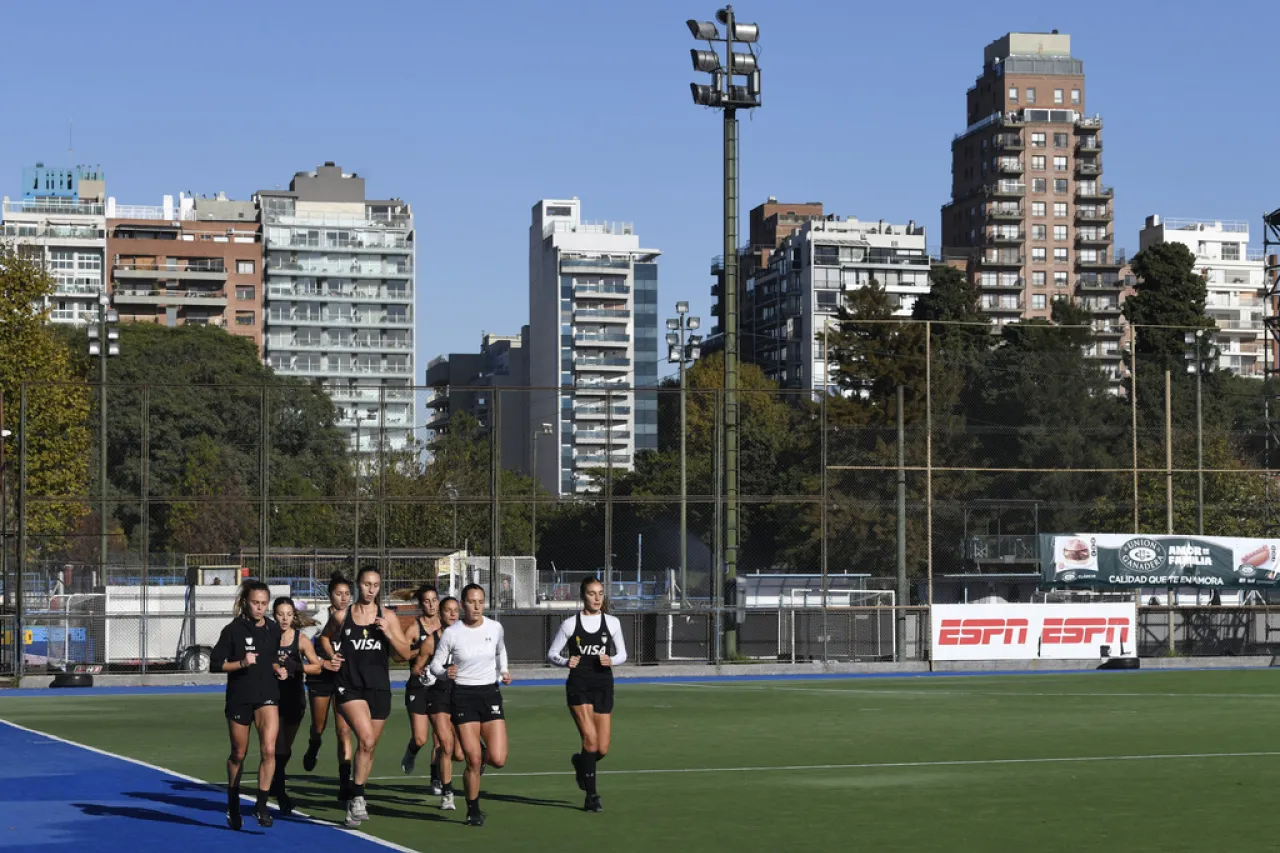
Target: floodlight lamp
x=694, y=323
x=673, y=355
x=673, y=338
x=722, y=15
x=4, y=433
x=113, y=316
x=93, y=333
x=705, y=60
x=673, y=324
x=746, y=33
x=1188, y=338
x=703, y=30
x=742, y=63
x=682, y=307
x=695, y=353
x=113, y=334
x=113, y=349
x=704, y=96
x=94, y=349
x=103, y=299
x=740, y=96
x=694, y=340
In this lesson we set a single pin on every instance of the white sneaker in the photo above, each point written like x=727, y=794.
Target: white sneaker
x=446, y=802
x=357, y=810
x=353, y=820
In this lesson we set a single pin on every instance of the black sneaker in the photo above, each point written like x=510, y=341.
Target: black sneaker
x=309, y=760
x=475, y=818
x=592, y=804
x=286, y=804
x=263, y=814
x=577, y=771
x=233, y=818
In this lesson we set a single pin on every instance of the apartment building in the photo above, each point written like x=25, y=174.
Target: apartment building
x=194, y=262
x=593, y=335
x=1028, y=211
x=791, y=300
x=467, y=383
x=1234, y=276
x=60, y=220
x=340, y=299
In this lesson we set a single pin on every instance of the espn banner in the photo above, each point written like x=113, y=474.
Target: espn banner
x=1128, y=561
x=1032, y=631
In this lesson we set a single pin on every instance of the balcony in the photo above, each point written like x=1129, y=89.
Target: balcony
x=1007, y=142
x=327, y=344
x=604, y=315
x=1089, y=143
x=359, y=369
x=1006, y=189
x=320, y=318
x=340, y=269
x=1004, y=307
x=1005, y=238
x=1088, y=168
x=1093, y=192
x=602, y=339
x=210, y=270
x=59, y=206
x=611, y=264
x=599, y=385
x=1098, y=237
x=1004, y=211
x=71, y=288
x=1103, y=329
x=1102, y=308
x=1089, y=124
x=359, y=294
x=601, y=362
x=1004, y=259
x=400, y=221
x=1100, y=262
x=601, y=460
x=165, y=296
x=1002, y=284
x=602, y=436
x=1009, y=166
x=1092, y=282
x=1093, y=213
x=606, y=291
x=373, y=244
x=53, y=233
x=600, y=412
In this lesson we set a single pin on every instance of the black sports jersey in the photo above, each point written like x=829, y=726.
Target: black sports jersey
x=325, y=676
x=257, y=683
x=290, y=657
x=589, y=646
x=364, y=650
x=415, y=642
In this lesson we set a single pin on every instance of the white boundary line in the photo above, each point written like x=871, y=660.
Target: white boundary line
x=977, y=762
x=167, y=772
x=1012, y=694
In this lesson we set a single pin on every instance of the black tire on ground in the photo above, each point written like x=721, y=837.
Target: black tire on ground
x=196, y=658
x=1121, y=663
x=72, y=679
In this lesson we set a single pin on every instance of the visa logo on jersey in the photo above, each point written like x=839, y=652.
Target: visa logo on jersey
x=983, y=632
x=1083, y=630
x=366, y=644
x=594, y=650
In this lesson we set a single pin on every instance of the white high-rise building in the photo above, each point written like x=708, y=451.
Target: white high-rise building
x=340, y=299
x=1234, y=275
x=61, y=220
x=593, y=334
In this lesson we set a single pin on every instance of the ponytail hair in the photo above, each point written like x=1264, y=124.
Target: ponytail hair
x=242, y=597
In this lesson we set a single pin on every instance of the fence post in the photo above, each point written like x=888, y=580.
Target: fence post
x=900, y=616
x=19, y=627
x=144, y=545
x=1133, y=417
x=382, y=482
x=495, y=505
x=1168, y=482
x=717, y=534
x=928, y=462
x=822, y=515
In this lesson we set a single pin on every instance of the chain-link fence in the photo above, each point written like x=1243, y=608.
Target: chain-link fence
x=926, y=477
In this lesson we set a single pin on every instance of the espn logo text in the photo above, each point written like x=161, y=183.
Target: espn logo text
x=1013, y=631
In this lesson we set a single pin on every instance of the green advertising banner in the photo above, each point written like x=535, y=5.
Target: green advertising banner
x=1128, y=561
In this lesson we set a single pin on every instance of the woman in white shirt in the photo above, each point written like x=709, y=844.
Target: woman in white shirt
x=590, y=645
x=472, y=653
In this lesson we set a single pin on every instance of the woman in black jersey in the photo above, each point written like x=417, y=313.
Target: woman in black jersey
x=440, y=708
x=363, y=637
x=298, y=658
x=320, y=690
x=590, y=645
x=246, y=651
x=423, y=630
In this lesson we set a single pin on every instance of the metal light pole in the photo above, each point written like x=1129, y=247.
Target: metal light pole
x=683, y=352
x=1197, y=366
x=724, y=94
x=452, y=492
x=545, y=429
x=103, y=343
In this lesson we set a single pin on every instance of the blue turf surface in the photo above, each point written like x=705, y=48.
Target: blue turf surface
x=56, y=796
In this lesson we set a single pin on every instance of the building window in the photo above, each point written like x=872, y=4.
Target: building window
x=1037, y=162
x=1037, y=300
x=1231, y=251
x=1075, y=96
x=244, y=292
x=1060, y=186
x=1057, y=96
x=1037, y=278
x=1060, y=233
x=1088, y=256
x=1037, y=139
x=244, y=267
x=1037, y=185
x=1059, y=209
x=1031, y=95
x=1060, y=255
x=1059, y=140
x=244, y=318
x=828, y=256
x=1038, y=254
x=1037, y=232
x=1059, y=279
x=1013, y=94
x=1037, y=208
x=1060, y=164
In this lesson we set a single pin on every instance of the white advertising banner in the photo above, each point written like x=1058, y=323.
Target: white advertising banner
x=1033, y=631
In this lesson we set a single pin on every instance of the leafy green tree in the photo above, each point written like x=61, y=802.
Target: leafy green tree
x=211, y=527
x=57, y=441
x=1168, y=303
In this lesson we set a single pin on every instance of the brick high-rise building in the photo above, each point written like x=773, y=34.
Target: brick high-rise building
x=1028, y=209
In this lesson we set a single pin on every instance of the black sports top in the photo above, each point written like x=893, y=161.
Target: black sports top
x=415, y=643
x=589, y=646
x=364, y=650
x=325, y=676
x=256, y=683
x=290, y=657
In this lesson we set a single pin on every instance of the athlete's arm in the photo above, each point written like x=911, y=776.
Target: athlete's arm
x=311, y=664
x=222, y=650
x=619, y=656
x=331, y=627
x=554, y=656
x=502, y=655
x=425, y=651
x=440, y=657
x=390, y=626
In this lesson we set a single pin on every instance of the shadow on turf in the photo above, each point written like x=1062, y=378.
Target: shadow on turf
x=135, y=813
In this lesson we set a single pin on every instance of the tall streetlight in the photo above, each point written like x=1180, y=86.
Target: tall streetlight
x=1197, y=367
x=545, y=429
x=683, y=352
x=725, y=94
x=103, y=343
x=359, y=463
x=4, y=507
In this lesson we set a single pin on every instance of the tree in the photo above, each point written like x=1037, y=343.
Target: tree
x=57, y=441
x=1169, y=293
x=220, y=525
x=875, y=353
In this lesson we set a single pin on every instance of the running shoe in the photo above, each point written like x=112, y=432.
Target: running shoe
x=233, y=818
x=475, y=818
x=407, y=761
x=437, y=788
x=263, y=814
x=286, y=804
x=359, y=808
x=352, y=820
x=446, y=802
x=309, y=760
x=592, y=804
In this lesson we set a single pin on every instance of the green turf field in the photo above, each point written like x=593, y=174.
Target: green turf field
x=1164, y=762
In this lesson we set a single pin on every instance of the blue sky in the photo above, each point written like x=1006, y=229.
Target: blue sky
x=472, y=112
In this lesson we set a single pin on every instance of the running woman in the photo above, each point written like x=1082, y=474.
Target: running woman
x=320, y=691
x=426, y=625
x=298, y=657
x=246, y=651
x=440, y=709
x=473, y=653
x=590, y=645
x=364, y=636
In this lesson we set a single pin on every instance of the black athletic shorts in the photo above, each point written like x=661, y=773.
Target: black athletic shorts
x=379, y=700
x=320, y=688
x=440, y=699
x=293, y=707
x=599, y=697
x=416, y=698
x=242, y=712
x=480, y=704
